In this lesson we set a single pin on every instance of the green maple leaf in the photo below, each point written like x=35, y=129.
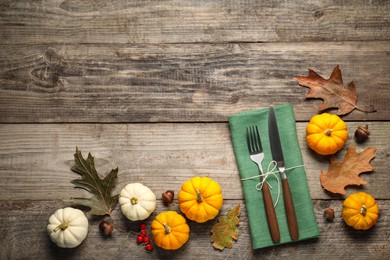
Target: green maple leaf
x=226, y=229
x=101, y=203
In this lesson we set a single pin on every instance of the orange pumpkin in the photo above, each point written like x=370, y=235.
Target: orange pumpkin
x=170, y=230
x=326, y=133
x=200, y=199
x=360, y=211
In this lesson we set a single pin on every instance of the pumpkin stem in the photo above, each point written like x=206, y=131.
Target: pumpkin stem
x=328, y=132
x=363, y=210
x=61, y=226
x=134, y=200
x=167, y=229
x=199, y=197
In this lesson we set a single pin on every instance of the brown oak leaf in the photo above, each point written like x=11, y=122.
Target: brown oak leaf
x=332, y=91
x=347, y=172
x=226, y=229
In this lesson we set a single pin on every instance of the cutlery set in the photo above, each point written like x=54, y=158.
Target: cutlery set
x=257, y=156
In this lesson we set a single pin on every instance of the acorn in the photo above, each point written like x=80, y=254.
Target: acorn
x=167, y=197
x=329, y=214
x=362, y=133
x=106, y=227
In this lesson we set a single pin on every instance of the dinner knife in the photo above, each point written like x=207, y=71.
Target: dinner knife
x=277, y=155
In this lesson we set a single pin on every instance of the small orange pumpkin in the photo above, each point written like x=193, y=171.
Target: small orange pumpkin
x=360, y=211
x=170, y=230
x=200, y=199
x=326, y=133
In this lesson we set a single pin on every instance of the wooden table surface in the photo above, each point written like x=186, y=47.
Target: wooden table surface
x=147, y=86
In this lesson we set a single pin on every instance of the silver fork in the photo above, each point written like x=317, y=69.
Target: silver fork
x=257, y=155
x=254, y=146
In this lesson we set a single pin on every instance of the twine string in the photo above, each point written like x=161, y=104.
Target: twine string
x=271, y=171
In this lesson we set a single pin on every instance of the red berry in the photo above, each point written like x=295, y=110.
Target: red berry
x=142, y=226
x=140, y=239
x=148, y=247
x=146, y=240
x=143, y=233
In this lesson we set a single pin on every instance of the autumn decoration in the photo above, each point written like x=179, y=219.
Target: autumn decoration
x=200, y=199
x=360, y=211
x=342, y=174
x=361, y=133
x=167, y=197
x=333, y=92
x=137, y=201
x=170, y=230
x=68, y=227
x=102, y=201
x=143, y=238
x=225, y=231
x=326, y=133
x=106, y=227
x=329, y=214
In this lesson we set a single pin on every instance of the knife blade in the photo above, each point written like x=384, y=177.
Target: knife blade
x=277, y=156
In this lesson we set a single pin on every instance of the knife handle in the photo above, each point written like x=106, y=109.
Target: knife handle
x=290, y=210
x=271, y=215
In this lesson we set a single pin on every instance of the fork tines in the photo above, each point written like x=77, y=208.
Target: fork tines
x=253, y=139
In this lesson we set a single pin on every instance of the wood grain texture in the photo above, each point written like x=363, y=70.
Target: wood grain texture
x=36, y=159
x=147, y=86
x=23, y=225
x=180, y=83
x=172, y=21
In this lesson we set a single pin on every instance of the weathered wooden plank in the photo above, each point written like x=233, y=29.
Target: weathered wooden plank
x=35, y=160
x=176, y=83
x=24, y=237
x=172, y=21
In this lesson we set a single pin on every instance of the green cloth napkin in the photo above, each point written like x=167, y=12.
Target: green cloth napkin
x=306, y=218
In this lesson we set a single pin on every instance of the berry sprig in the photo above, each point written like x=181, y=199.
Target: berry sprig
x=143, y=238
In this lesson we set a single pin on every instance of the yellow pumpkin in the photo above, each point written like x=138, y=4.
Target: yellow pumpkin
x=360, y=211
x=200, y=199
x=326, y=133
x=170, y=230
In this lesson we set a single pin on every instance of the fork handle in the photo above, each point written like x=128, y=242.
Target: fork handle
x=290, y=210
x=271, y=215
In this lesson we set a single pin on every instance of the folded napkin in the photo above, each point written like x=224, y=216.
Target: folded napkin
x=257, y=219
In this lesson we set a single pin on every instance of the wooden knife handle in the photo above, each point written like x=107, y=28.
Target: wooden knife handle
x=271, y=215
x=290, y=210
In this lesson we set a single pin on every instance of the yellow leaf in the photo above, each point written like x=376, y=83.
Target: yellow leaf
x=226, y=229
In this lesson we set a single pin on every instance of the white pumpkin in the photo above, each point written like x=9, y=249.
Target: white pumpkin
x=137, y=201
x=68, y=227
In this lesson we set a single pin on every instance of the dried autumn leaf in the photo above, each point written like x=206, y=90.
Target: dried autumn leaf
x=226, y=229
x=333, y=92
x=101, y=203
x=347, y=172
